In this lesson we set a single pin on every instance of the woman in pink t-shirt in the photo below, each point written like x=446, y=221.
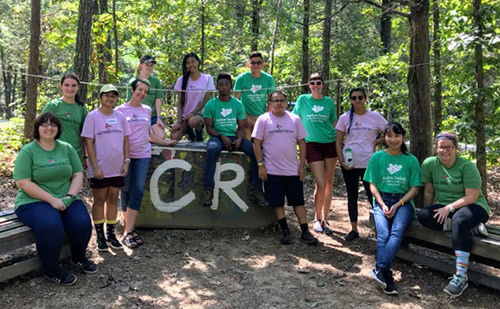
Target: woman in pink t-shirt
x=360, y=127
x=194, y=90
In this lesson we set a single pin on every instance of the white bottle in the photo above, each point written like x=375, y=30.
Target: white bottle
x=348, y=157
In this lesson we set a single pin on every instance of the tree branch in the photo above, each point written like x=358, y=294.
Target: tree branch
x=394, y=11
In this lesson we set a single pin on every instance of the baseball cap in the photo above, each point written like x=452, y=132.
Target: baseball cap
x=109, y=88
x=147, y=59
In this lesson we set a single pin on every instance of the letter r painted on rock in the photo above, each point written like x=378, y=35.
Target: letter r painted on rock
x=227, y=186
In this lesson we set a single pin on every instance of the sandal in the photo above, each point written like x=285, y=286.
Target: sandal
x=129, y=241
x=137, y=238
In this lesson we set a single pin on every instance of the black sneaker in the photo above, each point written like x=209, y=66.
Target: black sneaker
x=86, y=266
x=101, y=243
x=191, y=135
x=377, y=275
x=199, y=135
x=457, y=286
x=61, y=277
x=353, y=235
x=308, y=238
x=390, y=288
x=208, y=196
x=286, y=237
x=113, y=242
x=256, y=195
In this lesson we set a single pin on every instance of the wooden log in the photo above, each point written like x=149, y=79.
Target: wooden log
x=174, y=190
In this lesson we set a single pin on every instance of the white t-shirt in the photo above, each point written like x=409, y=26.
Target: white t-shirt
x=196, y=90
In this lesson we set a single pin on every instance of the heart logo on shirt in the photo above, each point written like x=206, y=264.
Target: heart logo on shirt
x=107, y=126
x=317, y=108
x=256, y=88
x=67, y=115
x=394, y=168
x=226, y=111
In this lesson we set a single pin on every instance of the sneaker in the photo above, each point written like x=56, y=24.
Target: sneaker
x=317, y=226
x=286, y=237
x=62, y=278
x=101, y=244
x=377, y=275
x=113, y=242
x=256, y=195
x=208, y=196
x=308, y=238
x=353, y=235
x=457, y=286
x=479, y=230
x=86, y=266
x=199, y=135
x=326, y=228
x=191, y=135
x=390, y=287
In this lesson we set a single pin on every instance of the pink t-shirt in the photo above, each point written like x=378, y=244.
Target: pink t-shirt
x=108, y=132
x=362, y=135
x=279, y=137
x=139, y=119
x=196, y=90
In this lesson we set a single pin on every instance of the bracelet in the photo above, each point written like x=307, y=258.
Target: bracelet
x=126, y=160
x=85, y=157
x=401, y=201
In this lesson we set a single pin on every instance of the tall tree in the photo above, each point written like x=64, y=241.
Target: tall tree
x=115, y=35
x=438, y=84
x=325, y=50
x=83, y=44
x=103, y=49
x=33, y=64
x=202, y=33
x=275, y=35
x=305, y=45
x=479, y=97
x=256, y=6
x=386, y=26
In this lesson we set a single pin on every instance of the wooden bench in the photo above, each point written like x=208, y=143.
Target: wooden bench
x=14, y=235
x=484, y=251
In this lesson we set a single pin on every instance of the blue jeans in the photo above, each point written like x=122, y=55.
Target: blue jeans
x=50, y=225
x=390, y=232
x=133, y=191
x=214, y=147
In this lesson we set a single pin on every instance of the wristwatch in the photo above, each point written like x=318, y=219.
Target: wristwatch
x=70, y=195
x=260, y=163
x=451, y=209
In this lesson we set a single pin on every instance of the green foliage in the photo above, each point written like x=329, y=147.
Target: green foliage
x=11, y=140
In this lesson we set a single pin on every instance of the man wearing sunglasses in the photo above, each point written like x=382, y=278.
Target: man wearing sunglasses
x=252, y=88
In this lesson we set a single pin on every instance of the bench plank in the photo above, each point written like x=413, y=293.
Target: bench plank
x=16, y=238
x=6, y=226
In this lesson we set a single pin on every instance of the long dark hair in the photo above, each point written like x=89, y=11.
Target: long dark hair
x=75, y=77
x=351, y=110
x=185, y=75
x=397, y=128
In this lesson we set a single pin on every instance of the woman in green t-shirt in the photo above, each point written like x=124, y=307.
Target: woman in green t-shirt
x=49, y=176
x=394, y=177
x=455, y=184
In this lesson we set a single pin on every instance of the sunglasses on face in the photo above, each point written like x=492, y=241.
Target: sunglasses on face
x=317, y=83
x=256, y=62
x=359, y=97
x=447, y=148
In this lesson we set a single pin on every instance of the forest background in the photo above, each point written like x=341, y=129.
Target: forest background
x=431, y=65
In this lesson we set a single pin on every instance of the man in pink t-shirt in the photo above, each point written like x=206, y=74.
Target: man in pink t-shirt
x=276, y=135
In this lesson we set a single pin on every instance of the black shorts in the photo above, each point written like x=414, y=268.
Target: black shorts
x=277, y=187
x=320, y=151
x=116, y=182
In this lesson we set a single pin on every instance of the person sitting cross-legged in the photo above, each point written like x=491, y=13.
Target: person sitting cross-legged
x=224, y=119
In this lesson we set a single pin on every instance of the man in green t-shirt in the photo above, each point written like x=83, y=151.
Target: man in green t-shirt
x=224, y=119
x=252, y=88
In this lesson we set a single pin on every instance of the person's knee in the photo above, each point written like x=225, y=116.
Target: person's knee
x=213, y=147
x=320, y=185
x=50, y=226
x=424, y=216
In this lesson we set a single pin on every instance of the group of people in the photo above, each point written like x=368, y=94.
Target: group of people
x=114, y=144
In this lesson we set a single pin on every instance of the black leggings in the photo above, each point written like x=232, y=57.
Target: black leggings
x=462, y=221
x=351, y=179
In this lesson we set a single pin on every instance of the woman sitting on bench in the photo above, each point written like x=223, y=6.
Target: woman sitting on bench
x=48, y=173
x=460, y=205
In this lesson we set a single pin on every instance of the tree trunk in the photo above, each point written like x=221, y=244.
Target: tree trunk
x=256, y=5
x=24, y=80
x=386, y=26
x=103, y=50
x=115, y=34
x=305, y=46
x=83, y=45
x=479, y=98
x=419, y=81
x=7, y=83
x=33, y=66
x=438, y=86
x=202, y=33
x=275, y=34
x=325, y=50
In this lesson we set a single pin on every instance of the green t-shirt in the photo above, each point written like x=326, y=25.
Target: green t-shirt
x=254, y=92
x=450, y=183
x=225, y=115
x=393, y=174
x=50, y=170
x=154, y=83
x=72, y=117
x=318, y=117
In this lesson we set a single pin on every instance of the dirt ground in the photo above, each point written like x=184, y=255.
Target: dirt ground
x=245, y=269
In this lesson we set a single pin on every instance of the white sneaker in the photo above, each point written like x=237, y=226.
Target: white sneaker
x=317, y=226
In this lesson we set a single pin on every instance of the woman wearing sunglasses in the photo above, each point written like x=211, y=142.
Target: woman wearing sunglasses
x=318, y=114
x=359, y=126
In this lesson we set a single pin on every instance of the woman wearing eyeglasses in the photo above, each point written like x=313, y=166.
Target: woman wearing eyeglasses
x=359, y=126
x=455, y=185
x=318, y=114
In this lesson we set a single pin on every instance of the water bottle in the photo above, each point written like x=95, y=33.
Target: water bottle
x=348, y=157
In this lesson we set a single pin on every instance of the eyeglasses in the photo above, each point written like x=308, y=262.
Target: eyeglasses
x=447, y=148
x=317, y=83
x=48, y=125
x=278, y=101
x=359, y=97
x=256, y=62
